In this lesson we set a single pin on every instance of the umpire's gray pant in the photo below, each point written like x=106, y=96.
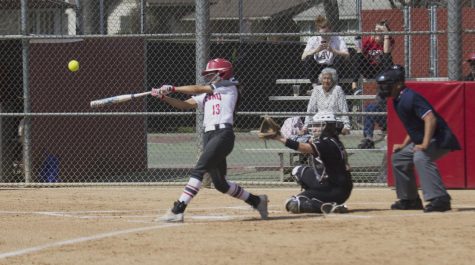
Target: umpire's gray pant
x=403, y=163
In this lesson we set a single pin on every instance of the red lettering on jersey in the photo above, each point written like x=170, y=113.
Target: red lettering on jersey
x=216, y=109
x=216, y=96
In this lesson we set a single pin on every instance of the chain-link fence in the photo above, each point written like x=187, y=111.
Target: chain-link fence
x=51, y=136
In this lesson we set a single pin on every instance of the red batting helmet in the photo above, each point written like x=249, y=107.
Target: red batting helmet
x=221, y=66
x=471, y=57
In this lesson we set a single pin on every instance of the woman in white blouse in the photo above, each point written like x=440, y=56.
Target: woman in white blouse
x=328, y=96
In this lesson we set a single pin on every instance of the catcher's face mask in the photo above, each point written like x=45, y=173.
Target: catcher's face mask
x=317, y=128
x=324, y=129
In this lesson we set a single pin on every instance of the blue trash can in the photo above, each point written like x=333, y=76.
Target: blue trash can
x=50, y=169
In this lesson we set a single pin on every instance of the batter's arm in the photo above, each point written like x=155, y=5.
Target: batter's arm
x=194, y=89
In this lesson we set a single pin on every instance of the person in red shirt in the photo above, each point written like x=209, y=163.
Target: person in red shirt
x=373, y=53
x=373, y=57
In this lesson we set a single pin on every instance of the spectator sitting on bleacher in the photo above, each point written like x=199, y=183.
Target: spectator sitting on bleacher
x=471, y=61
x=328, y=96
x=373, y=57
x=373, y=53
x=320, y=51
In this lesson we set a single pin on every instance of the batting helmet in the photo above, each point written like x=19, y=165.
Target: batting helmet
x=471, y=57
x=223, y=67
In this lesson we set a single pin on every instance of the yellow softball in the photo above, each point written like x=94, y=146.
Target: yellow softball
x=73, y=65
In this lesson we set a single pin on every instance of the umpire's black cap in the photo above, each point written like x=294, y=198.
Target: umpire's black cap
x=393, y=75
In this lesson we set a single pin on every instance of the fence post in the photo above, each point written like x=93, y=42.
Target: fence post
x=143, y=17
x=358, y=13
x=241, y=21
x=454, y=39
x=101, y=17
x=202, y=53
x=79, y=18
x=407, y=40
x=26, y=91
x=433, y=61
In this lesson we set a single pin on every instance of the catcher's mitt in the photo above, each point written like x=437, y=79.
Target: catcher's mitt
x=269, y=129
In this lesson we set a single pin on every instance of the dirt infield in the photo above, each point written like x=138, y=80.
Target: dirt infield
x=115, y=225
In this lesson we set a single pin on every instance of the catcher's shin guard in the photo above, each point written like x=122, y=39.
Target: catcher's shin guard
x=303, y=204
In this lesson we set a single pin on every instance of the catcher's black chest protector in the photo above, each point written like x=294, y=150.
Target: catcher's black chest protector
x=318, y=168
x=329, y=161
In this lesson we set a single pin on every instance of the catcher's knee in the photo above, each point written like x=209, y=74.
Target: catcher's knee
x=292, y=205
x=302, y=204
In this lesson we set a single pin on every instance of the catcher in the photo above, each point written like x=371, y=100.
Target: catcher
x=327, y=182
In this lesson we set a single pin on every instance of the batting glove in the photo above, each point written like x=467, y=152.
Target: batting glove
x=155, y=92
x=167, y=89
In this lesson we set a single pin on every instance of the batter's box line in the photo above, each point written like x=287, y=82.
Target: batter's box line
x=78, y=240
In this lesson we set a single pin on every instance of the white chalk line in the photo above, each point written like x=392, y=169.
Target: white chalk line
x=82, y=239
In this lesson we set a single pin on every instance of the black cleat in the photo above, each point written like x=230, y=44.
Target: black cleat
x=440, y=204
x=407, y=205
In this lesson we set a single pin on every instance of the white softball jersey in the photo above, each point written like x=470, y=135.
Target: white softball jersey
x=218, y=107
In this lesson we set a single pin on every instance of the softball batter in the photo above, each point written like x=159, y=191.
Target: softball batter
x=218, y=101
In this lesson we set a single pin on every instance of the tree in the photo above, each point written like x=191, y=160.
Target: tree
x=332, y=13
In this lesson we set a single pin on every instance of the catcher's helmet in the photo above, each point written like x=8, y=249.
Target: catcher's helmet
x=331, y=125
x=324, y=116
x=223, y=67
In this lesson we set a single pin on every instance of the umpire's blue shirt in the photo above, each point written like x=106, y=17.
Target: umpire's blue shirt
x=411, y=109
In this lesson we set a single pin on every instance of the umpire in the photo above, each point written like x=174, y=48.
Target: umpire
x=428, y=139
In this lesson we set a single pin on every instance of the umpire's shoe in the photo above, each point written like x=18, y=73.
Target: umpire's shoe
x=262, y=206
x=175, y=214
x=440, y=204
x=407, y=205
